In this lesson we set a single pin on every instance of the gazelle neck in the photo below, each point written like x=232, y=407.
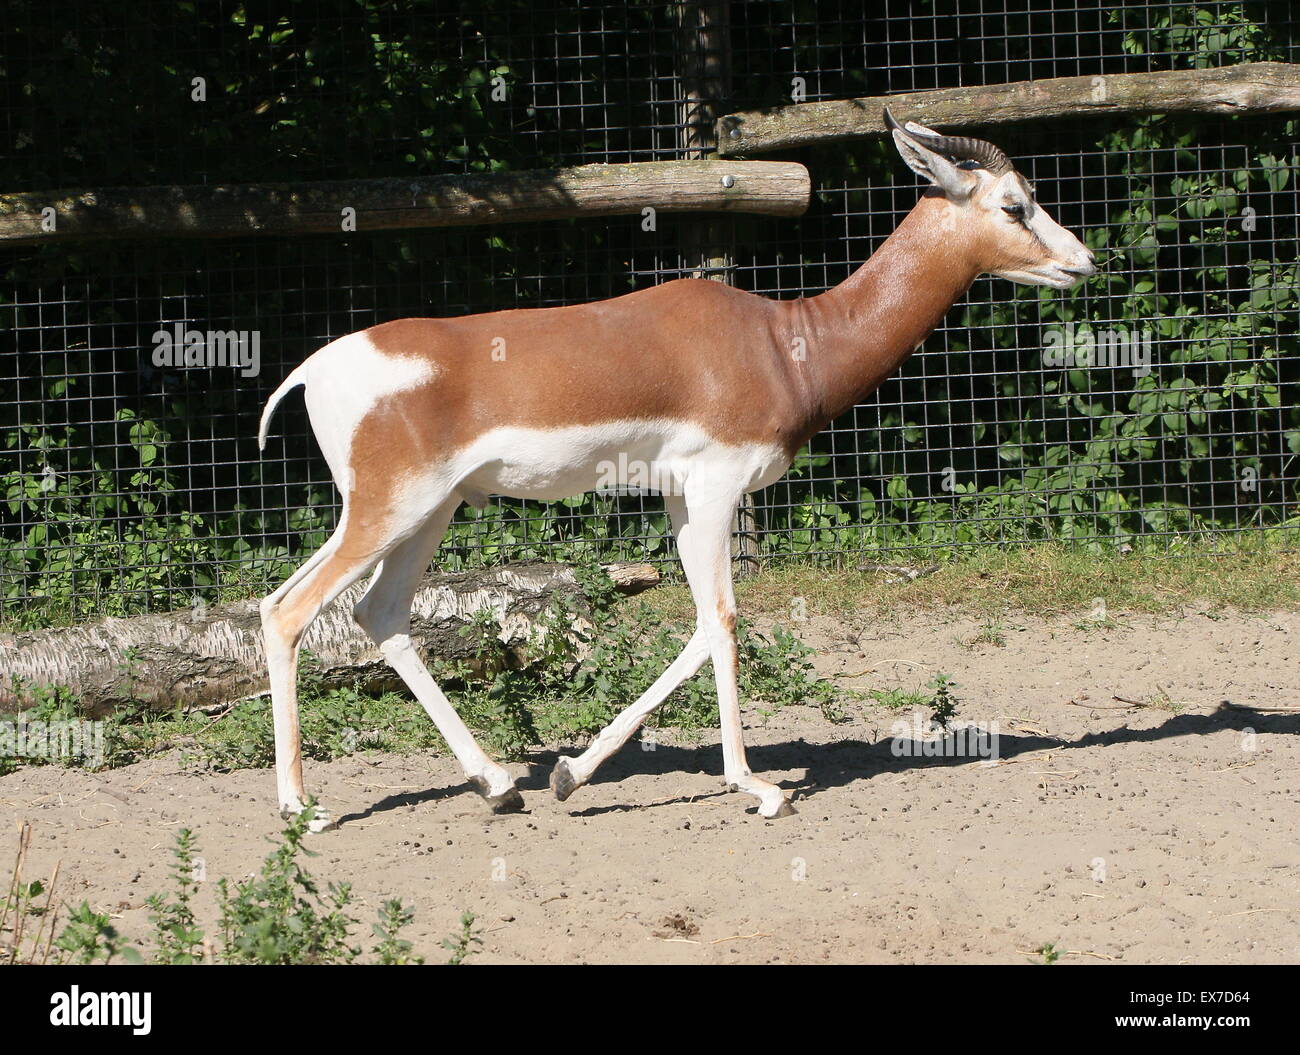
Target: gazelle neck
x=862, y=330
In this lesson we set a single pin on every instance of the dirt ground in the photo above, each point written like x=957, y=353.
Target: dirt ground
x=1160, y=833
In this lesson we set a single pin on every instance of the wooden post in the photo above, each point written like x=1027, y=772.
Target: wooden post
x=704, y=64
x=705, y=73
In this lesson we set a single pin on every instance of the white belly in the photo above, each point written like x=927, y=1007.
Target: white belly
x=619, y=456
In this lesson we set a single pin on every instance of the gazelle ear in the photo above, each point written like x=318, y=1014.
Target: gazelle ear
x=954, y=182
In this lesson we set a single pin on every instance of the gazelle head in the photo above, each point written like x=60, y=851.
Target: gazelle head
x=993, y=207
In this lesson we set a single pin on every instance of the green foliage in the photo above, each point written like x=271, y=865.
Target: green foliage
x=461, y=945
x=336, y=721
x=943, y=701
x=177, y=936
x=392, y=950
x=1048, y=952
x=124, y=734
x=777, y=671
x=88, y=937
x=93, y=544
x=582, y=529
x=281, y=916
x=898, y=699
x=244, y=737
x=939, y=699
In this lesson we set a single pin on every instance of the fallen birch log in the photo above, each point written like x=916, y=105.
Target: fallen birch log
x=212, y=656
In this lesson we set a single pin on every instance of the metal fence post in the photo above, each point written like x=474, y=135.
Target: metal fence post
x=704, y=77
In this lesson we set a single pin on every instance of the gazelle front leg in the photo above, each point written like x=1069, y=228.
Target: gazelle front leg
x=703, y=529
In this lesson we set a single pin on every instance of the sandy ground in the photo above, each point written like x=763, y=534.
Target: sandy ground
x=1148, y=834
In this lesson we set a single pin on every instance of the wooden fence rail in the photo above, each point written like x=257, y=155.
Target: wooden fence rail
x=1257, y=87
x=766, y=187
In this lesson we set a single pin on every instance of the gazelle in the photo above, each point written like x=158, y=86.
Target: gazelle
x=715, y=388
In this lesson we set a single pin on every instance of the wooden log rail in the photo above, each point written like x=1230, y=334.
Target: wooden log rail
x=765, y=187
x=1252, y=88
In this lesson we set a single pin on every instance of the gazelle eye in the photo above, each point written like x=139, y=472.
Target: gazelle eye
x=1016, y=212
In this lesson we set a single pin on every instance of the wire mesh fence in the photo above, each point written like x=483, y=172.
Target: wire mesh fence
x=1158, y=401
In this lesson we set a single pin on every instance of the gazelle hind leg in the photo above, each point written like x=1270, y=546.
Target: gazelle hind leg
x=286, y=615
x=570, y=774
x=704, y=543
x=384, y=612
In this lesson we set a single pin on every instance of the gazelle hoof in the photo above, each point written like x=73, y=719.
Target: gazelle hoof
x=508, y=801
x=322, y=822
x=776, y=807
x=562, y=782
x=321, y=819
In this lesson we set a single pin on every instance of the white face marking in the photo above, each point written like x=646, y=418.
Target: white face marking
x=1065, y=260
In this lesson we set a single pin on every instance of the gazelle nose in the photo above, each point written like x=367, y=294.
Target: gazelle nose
x=1087, y=264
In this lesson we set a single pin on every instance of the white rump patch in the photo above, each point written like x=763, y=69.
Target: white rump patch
x=345, y=379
